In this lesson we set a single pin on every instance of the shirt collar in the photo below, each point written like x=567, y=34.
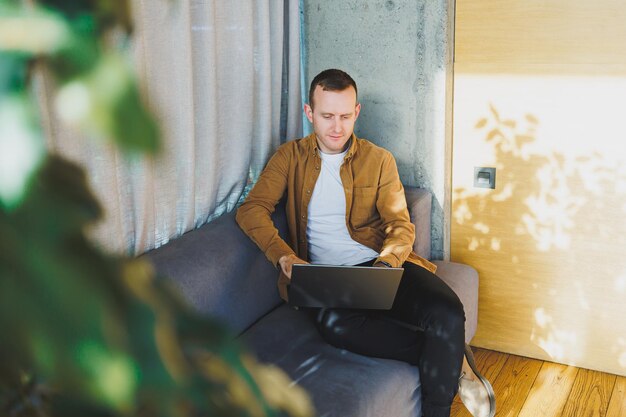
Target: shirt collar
x=349, y=154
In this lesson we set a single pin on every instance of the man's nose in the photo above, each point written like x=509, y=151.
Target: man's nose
x=337, y=127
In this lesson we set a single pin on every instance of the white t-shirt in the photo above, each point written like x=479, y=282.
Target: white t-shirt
x=327, y=233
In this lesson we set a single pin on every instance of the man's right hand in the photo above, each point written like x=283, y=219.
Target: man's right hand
x=286, y=263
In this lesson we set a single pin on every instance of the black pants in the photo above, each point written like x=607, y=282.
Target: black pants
x=425, y=327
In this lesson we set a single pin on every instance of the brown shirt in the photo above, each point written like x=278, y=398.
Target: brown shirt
x=376, y=210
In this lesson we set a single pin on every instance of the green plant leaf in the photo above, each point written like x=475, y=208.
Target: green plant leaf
x=21, y=148
x=31, y=30
x=13, y=66
x=106, y=103
x=85, y=332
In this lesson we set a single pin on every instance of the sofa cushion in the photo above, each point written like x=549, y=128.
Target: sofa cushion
x=340, y=383
x=221, y=272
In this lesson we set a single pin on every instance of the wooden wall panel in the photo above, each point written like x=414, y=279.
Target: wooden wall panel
x=540, y=94
x=568, y=32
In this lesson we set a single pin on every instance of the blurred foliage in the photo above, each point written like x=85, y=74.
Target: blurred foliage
x=82, y=332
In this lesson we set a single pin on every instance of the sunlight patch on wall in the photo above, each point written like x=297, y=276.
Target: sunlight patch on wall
x=560, y=344
x=620, y=283
x=481, y=227
x=557, y=140
x=619, y=350
x=549, y=241
x=559, y=108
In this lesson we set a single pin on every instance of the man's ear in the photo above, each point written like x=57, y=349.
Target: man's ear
x=357, y=110
x=308, y=111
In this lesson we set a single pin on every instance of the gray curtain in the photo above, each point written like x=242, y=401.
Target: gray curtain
x=223, y=78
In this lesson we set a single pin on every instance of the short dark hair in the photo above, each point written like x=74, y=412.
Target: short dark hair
x=331, y=80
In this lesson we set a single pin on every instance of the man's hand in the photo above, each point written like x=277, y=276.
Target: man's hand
x=286, y=262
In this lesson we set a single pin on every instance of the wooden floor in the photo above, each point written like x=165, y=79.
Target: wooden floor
x=533, y=388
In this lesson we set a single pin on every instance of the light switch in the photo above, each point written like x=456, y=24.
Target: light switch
x=484, y=177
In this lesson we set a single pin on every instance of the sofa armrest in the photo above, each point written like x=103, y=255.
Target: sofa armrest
x=463, y=279
x=419, y=202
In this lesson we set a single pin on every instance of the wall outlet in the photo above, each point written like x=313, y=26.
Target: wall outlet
x=484, y=177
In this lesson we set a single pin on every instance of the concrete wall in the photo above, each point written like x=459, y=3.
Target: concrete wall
x=398, y=53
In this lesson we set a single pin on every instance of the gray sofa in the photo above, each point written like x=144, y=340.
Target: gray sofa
x=223, y=274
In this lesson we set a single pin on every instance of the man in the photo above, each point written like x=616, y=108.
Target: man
x=346, y=206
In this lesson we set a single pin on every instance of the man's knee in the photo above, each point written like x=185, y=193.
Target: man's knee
x=448, y=310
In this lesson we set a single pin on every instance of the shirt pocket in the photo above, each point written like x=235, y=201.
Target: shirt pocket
x=364, y=210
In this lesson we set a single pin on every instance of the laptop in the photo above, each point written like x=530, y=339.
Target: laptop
x=330, y=286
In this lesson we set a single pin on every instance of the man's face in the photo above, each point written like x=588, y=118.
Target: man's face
x=333, y=116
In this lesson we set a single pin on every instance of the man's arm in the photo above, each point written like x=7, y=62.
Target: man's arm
x=254, y=215
x=396, y=223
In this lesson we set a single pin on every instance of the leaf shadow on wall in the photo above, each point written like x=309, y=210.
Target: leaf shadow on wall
x=554, y=229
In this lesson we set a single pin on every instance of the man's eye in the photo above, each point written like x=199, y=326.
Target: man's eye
x=327, y=116
x=345, y=117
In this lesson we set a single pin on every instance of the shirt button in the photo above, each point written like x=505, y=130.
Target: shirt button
x=308, y=191
x=303, y=217
x=317, y=167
